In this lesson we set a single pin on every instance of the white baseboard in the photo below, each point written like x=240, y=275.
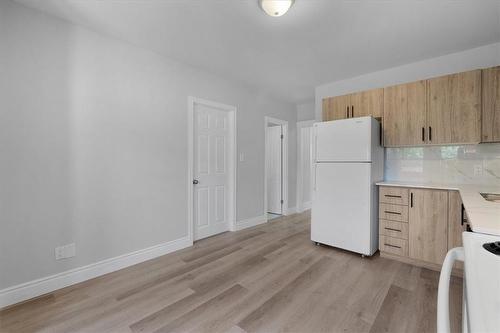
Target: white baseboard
x=251, y=222
x=31, y=289
x=291, y=210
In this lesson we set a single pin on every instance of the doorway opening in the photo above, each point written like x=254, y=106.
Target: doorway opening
x=276, y=168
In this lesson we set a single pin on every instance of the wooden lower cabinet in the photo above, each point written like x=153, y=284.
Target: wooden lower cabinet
x=455, y=223
x=455, y=226
x=428, y=226
x=393, y=245
x=394, y=229
x=393, y=212
x=394, y=195
x=393, y=221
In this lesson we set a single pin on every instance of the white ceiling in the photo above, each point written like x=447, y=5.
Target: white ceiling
x=317, y=41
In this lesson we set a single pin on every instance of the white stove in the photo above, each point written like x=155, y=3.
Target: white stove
x=481, y=308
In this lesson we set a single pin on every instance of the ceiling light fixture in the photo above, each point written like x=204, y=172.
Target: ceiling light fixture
x=275, y=7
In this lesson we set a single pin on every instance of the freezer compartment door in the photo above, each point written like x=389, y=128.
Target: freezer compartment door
x=341, y=213
x=347, y=140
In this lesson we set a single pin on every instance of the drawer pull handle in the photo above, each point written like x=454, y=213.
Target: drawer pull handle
x=392, y=196
x=398, y=247
x=391, y=229
x=389, y=212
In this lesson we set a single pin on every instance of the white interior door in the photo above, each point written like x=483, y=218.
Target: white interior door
x=211, y=161
x=274, y=170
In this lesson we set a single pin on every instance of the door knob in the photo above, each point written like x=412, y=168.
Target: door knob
x=195, y=181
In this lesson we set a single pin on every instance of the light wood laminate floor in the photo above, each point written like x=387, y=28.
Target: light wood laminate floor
x=264, y=279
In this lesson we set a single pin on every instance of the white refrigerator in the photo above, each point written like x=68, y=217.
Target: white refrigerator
x=348, y=161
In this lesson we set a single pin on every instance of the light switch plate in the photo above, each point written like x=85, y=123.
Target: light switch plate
x=242, y=157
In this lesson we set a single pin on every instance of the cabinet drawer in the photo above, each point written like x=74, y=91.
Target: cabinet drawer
x=393, y=245
x=393, y=195
x=394, y=229
x=393, y=212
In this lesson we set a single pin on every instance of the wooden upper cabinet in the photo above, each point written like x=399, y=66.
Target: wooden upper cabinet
x=491, y=105
x=367, y=103
x=454, y=108
x=461, y=108
x=405, y=114
x=325, y=109
x=340, y=105
x=335, y=108
x=428, y=225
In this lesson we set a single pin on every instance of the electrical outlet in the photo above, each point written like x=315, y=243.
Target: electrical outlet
x=478, y=169
x=65, y=251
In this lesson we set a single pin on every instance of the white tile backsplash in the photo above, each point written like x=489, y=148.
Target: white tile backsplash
x=468, y=164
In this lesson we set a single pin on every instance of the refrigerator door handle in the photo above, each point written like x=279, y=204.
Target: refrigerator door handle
x=443, y=301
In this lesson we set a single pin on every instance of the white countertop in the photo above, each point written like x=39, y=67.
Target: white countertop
x=483, y=215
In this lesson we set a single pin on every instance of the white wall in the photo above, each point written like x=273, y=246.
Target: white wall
x=485, y=56
x=305, y=111
x=93, y=144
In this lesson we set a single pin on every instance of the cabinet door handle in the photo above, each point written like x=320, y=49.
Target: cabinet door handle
x=389, y=212
x=347, y=112
x=423, y=134
x=352, y=111
x=411, y=199
x=392, y=196
x=430, y=133
x=391, y=229
x=398, y=247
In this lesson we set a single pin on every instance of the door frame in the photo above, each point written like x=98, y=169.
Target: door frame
x=231, y=219
x=284, y=173
x=300, y=180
